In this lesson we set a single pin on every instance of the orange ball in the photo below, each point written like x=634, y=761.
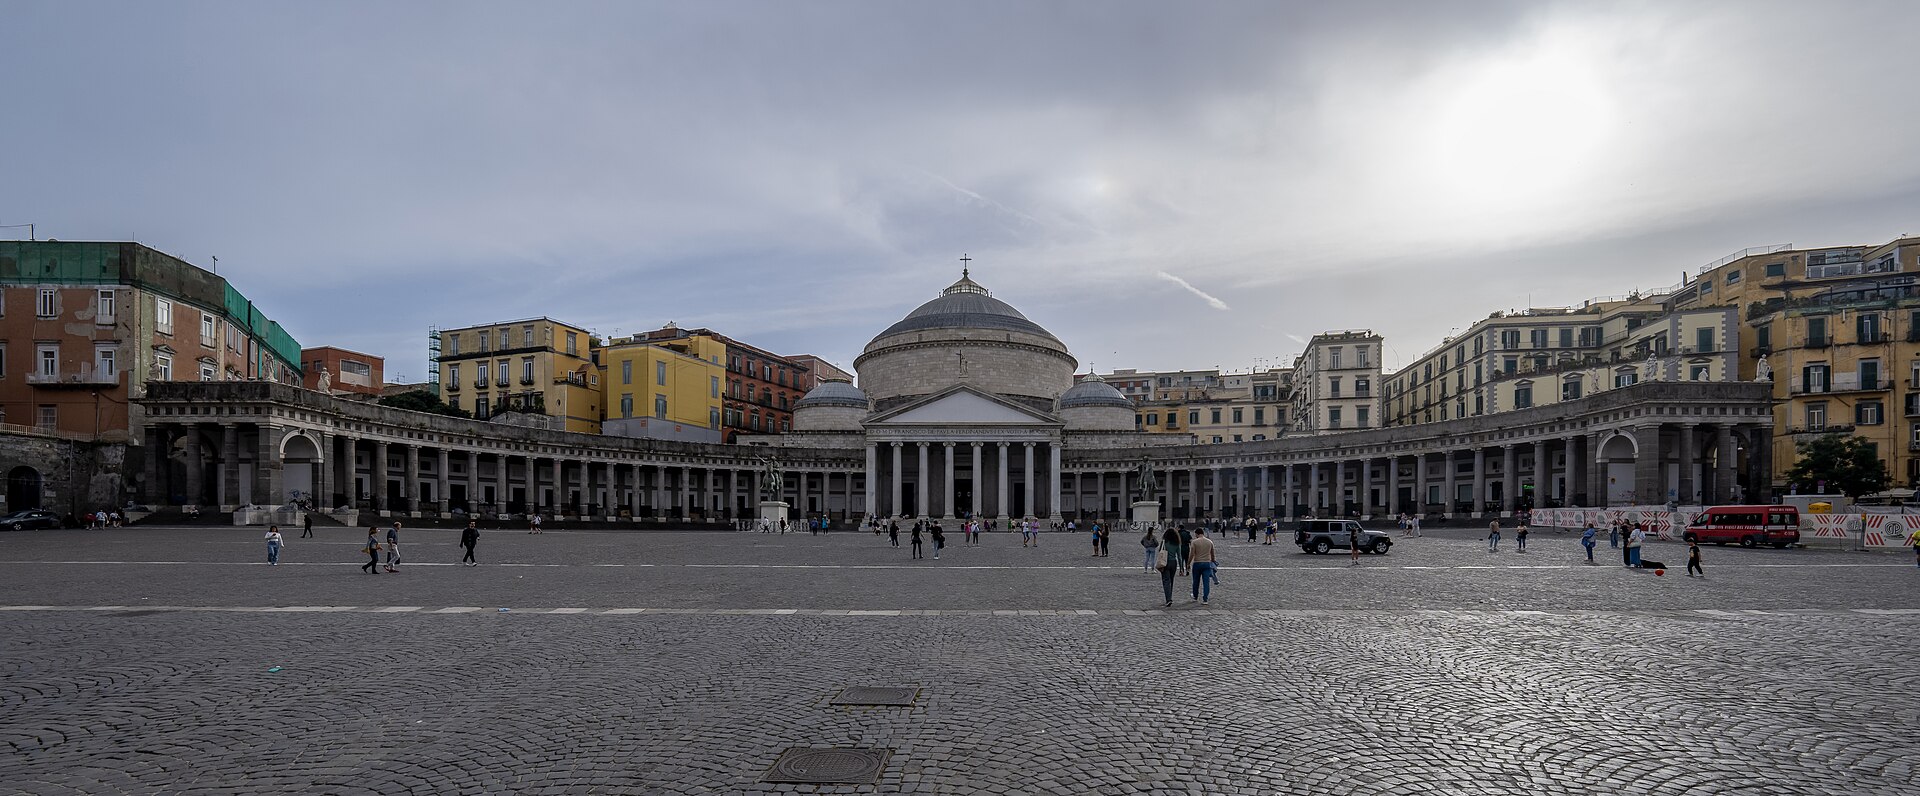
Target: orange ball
x=1661, y=572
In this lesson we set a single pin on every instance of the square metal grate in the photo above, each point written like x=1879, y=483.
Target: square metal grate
x=873, y=695
x=804, y=765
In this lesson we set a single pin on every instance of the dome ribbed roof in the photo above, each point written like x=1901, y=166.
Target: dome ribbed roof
x=1093, y=392
x=833, y=393
x=966, y=305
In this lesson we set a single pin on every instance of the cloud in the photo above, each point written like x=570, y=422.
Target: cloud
x=1210, y=300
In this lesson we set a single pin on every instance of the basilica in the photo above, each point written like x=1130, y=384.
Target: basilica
x=965, y=407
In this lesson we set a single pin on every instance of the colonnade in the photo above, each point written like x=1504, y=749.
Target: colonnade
x=1010, y=478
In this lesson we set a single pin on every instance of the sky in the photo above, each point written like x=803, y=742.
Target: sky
x=1162, y=185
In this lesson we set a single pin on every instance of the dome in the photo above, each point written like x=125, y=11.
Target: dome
x=966, y=305
x=833, y=393
x=1094, y=392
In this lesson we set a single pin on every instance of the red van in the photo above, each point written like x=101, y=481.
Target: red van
x=1751, y=526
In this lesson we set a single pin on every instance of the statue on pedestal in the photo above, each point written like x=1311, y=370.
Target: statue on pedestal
x=771, y=479
x=1763, y=371
x=326, y=380
x=1149, y=487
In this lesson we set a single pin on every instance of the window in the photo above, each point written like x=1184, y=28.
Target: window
x=1360, y=417
x=573, y=343
x=1570, y=389
x=48, y=306
x=166, y=366
x=1523, y=395
x=1238, y=415
x=206, y=372
x=1626, y=377
x=481, y=341
x=1479, y=406
x=1814, y=378
x=207, y=335
x=1333, y=356
x=479, y=374
x=453, y=374
x=1333, y=387
x=713, y=418
x=499, y=371
x=660, y=406
x=1259, y=415
x=104, y=316
x=47, y=355
x=660, y=373
x=48, y=417
x=356, y=368
x=1703, y=340
x=1776, y=269
x=1763, y=338
x=453, y=345
x=1867, y=325
x=626, y=371
x=526, y=336
x=480, y=408
x=1539, y=338
x=1509, y=339
x=1193, y=417
x=506, y=341
x=1360, y=356
x=526, y=370
x=1817, y=416
x=1153, y=418
x=1733, y=277
x=1566, y=337
x=626, y=404
x=1869, y=374
x=1510, y=365
x=103, y=363
x=1699, y=372
x=1333, y=417
x=1214, y=418
x=163, y=315
x=1362, y=388
x=1816, y=332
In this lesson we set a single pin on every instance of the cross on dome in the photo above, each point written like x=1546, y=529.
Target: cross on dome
x=966, y=283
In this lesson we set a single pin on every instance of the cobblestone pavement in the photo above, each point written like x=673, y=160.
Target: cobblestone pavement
x=692, y=664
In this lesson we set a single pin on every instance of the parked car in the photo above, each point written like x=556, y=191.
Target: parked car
x=30, y=518
x=1751, y=526
x=1324, y=536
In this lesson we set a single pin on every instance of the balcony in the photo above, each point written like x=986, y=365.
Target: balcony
x=526, y=380
x=1914, y=445
x=84, y=376
x=480, y=382
x=1823, y=429
x=453, y=386
x=1819, y=342
x=1875, y=338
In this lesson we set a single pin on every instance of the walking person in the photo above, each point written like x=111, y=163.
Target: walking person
x=1414, y=522
x=915, y=540
x=372, y=567
x=393, y=546
x=1168, y=562
x=1634, y=540
x=1493, y=537
x=273, y=545
x=893, y=533
x=1353, y=548
x=1521, y=536
x=1588, y=540
x=1693, y=559
x=1096, y=539
x=1203, y=565
x=939, y=541
x=306, y=525
x=1151, y=542
x=1613, y=536
x=1101, y=532
x=1186, y=550
x=533, y=523
x=1914, y=540
x=468, y=538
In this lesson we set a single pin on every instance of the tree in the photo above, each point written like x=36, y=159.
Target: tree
x=422, y=401
x=1849, y=465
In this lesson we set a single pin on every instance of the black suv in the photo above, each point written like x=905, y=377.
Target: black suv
x=1324, y=536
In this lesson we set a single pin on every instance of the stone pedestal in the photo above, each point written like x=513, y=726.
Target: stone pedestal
x=774, y=511
x=1146, y=512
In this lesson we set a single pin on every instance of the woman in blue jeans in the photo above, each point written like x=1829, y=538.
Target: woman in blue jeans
x=1169, y=544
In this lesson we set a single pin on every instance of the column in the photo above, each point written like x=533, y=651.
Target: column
x=1053, y=467
x=920, y=483
x=1266, y=492
x=1542, y=474
x=323, y=473
x=1573, y=472
x=1724, y=475
x=226, y=491
x=269, y=487
x=893, y=509
x=1366, y=487
x=1393, y=486
x=410, y=488
x=1240, y=492
x=1686, y=496
x=1100, y=492
x=559, y=485
x=948, y=502
x=1450, y=473
x=1509, y=477
x=979, y=507
x=1479, y=480
x=847, y=486
x=1026, y=482
x=1649, y=478
x=873, y=474
x=733, y=487
x=499, y=503
x=686, y=492
x=1004, y=504
x=1597, y=491
x=1287, y=499
x=440, y=482
x=196, y=470
x=1419, y=484
x=377, y=476
x=473, y=482
x=1340, y=489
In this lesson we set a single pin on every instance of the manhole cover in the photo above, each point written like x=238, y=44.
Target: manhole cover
x=828, y=766
x=868, y=695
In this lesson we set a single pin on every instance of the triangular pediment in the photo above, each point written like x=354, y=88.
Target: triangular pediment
x=963, y=406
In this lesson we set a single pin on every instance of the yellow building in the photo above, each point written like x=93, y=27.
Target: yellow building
x=540, y=369
x=1210, y=405
x=664, y=388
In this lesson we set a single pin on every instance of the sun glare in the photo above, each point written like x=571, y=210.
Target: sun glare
x=1511, y=129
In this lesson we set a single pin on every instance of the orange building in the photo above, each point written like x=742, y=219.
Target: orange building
x=347, y=371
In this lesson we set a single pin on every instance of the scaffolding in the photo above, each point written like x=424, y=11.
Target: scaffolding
x=433, y=360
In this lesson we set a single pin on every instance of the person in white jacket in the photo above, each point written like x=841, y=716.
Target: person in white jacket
x=274, y=543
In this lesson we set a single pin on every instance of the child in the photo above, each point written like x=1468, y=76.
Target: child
x=1693, y=559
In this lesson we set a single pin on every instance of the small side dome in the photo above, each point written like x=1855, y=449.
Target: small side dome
x=1093, y=391
x=834, y=393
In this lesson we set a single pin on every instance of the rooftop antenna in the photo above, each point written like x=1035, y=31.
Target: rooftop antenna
x=216, y=263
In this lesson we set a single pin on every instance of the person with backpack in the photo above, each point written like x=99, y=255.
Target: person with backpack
x=1152, y=544
x=1589, y=540
x=893, y=533
x=939, y=541
x=393, y=546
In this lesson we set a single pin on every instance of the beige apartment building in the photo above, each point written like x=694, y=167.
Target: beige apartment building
x=1336, y=383
x=1212, y=406
x=535, y=366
